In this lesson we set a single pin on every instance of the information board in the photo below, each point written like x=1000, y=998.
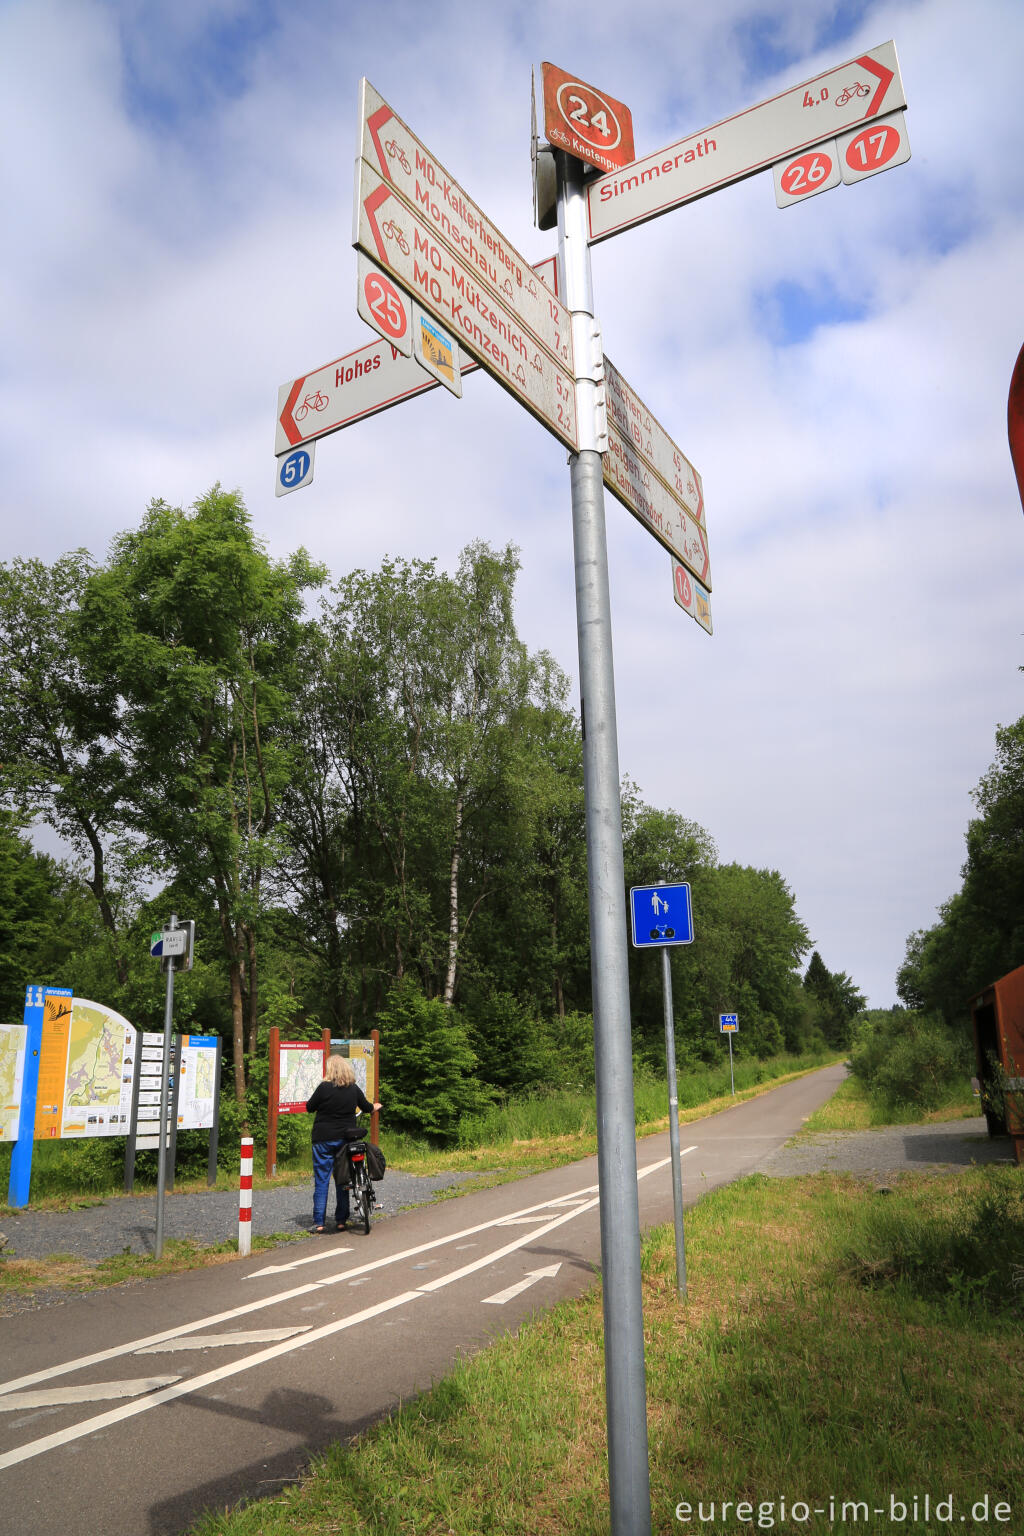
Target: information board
x=363, y=1056
x=87, y=1061
x=301, y=1071
x=198, y=1086
x=12, y=1074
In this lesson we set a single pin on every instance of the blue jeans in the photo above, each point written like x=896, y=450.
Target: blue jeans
x=323, y=1168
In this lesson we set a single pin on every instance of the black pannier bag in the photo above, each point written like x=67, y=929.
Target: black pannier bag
x=375, y=1161
x=342, y=1168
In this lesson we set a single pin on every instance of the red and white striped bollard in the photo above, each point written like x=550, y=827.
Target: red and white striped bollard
x=245, y=1199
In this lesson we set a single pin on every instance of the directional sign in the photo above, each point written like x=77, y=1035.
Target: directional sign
x=864, y=152
x=390, y=232
x=661, y=914
x=295, y=470
x=728, y=1023
x=586, y=123
x=691, y=596
x=384, y=307
x=628, y=414
x=799, y=178
x=394, y=152
x=639, y=489
x=360, y=384
x=868, y=86
x=876, y=148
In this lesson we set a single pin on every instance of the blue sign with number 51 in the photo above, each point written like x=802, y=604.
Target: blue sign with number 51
x=294, y=470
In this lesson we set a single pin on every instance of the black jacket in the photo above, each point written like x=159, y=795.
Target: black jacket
x=335, y=1108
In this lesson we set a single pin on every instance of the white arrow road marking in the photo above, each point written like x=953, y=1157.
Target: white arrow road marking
x=314, y=1258
x=59, y=1397
x=219, y=1340
x=194, y=1384
x=501, y=1297
x=522, y=1221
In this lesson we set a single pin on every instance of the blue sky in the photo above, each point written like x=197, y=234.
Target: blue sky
x=178, y=244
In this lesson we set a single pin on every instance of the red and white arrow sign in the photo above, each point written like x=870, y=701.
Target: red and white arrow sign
x=818, y=109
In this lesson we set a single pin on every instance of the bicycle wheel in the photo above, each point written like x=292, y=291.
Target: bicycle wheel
x=362, y=1195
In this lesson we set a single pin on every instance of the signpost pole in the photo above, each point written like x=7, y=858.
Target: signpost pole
x=625, y=1376
x=732, y=1080
x=673, y=1121
x=161, y=1168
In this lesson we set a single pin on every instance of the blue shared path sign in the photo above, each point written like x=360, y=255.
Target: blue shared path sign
x=662, y=914
x=728, y=1023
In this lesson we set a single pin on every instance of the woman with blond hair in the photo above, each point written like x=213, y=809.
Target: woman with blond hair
x=335, y=1103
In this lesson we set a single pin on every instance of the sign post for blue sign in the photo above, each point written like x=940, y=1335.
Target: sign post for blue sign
x=662, y=915
x=728, y=1024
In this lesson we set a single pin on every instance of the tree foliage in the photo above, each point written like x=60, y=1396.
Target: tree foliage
x=980, y=932
x=368, y=795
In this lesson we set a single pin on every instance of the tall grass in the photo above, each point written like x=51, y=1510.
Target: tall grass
x=563, y=1112
x=785, y=1376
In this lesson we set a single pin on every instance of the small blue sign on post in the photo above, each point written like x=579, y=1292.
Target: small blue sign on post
x=662, y=914
x=728, y=1023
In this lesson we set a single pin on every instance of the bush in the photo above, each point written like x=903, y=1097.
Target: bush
x=909, y=1058
x=429, y=1081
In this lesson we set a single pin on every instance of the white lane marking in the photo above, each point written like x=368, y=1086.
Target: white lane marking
x=314, y=1335
x=300, y=1290
x=500, y=1298
x=94, y=1392
x=313, y=1258
x=220, y=1340
x=521, y=1221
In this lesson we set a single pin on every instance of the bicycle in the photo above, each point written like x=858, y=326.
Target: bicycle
x=362, y=1198
x=856, y=89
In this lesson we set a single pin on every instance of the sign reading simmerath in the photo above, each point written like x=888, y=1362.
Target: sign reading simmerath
x=863, y=88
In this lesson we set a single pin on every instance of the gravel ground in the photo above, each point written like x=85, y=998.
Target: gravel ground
x=891, y=1149
x=128, y=1222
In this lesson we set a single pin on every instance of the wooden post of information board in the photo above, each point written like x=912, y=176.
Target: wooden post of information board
x=375, y=1091
x=273, y=1096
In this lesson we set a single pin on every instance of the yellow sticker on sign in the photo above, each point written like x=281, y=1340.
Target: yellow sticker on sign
x=436, y=351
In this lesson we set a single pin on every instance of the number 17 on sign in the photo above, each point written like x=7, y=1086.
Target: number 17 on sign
x=873, y=147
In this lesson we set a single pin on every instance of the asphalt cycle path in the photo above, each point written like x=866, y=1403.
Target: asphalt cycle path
x=137, y=1408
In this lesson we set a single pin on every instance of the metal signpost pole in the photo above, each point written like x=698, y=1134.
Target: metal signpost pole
x=673, y=1121
x=625, y=1377
x=732, y=1080
x=161, y=1170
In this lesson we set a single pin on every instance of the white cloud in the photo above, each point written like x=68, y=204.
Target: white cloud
x=178, y=245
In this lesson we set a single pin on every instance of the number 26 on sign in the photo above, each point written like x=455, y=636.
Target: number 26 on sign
x=864, y=151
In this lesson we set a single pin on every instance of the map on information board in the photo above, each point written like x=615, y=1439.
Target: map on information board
x=363, y=1057
x=86, y=1066
x=198, y=1088
x=12, y=1071
x=301, y=1071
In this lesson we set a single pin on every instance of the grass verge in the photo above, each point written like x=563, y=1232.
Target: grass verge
x=803, y=1368
x=853, y=1108
x=63, y=1271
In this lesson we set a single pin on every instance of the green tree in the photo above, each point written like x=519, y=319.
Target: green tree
x=836, y=1001
x=59, y=748
x=200, y=631
x=980, y=932
x=430, y=1084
